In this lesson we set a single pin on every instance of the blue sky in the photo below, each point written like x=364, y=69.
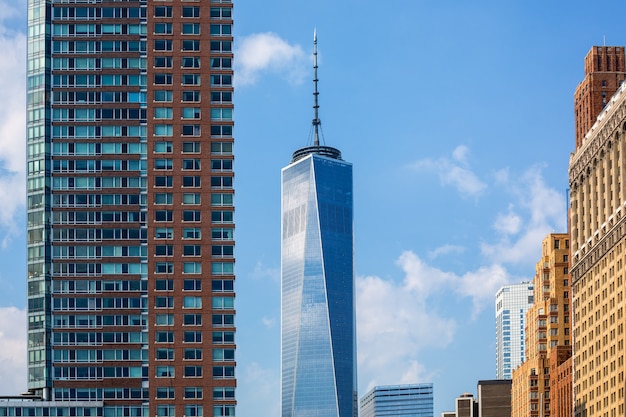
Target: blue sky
x=458, y=119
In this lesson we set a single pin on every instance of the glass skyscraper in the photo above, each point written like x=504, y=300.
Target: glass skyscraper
x=318, y=307
x=130, y=206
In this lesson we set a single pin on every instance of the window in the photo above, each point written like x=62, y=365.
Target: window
x=163, y=62
x=192, y=285
x=221, y=114
x=221, y=182
x=191, y=113
x=222, y=250
x=163, y=198
x=222, y=268
x=164, y=250
x=164, y=267
x=224, y=30
x=163, y=28
x=163, y=96
x=192, y=181
x=163, y=11
x=222, y=234
x=221, y=80
x=162, y=130
x=164, y=285
x=221, y=13
x=191, y=96
x=165, y=392
x=191, y=130
x=193, y=337
x=191, y=12
x=191, y=147
x=193, y=410
x=163, y=113
x=165, y=372
x=221, y=148
x=191, y=29
x=164, y=233
x=193, y=354
x=221, y=46
x=164, y=337
x=223, y=319
x=223, y=337
x=191, y=198
x=223, y=410
x=163, y=181
x=221, y=96
x=191, y=62
x=164, y=320
x=224, y=393
x=219, y=199
x=222, y=285
x=192, y=371
x=221, y=216
x=193, y=392
x=192, y=302
x=190, y=45
x=223, y=355
x=223, y=372
x=192, y=233
x=192, y=250
x=162, y=79
x=192, y=320
x=164, y=302
x=165, y=354
x=192, y=215
x=223, y=303
x=163, y=215
x=192, y=268
x=221, y=165
x=190, y=79
x=191, y=164
x=556, y=244
x=162, y=45
x=162, y=163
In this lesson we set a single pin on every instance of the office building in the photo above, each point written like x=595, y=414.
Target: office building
x=318, y=346
x=494, y=400
x=130, y=206
x=598, y=242
x=547, y=328
x=412, y=400
x=512, y=302
x=605, y=70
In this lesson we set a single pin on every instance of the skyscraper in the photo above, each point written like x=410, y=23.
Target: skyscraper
x=130, y=205
x=598, y=241
x=512, y=302
x=318, y=346
x=547, y=328
x=410, y=400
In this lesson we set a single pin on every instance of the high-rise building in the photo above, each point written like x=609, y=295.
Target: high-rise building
x=411, y=400
x=512, y=302
x=547, y=328
x=318, y=346
x=494, y=400
x=130, y=206
x=605, y=70
x=598, y=244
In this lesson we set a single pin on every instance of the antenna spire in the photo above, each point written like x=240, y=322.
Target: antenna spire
x=316, y=120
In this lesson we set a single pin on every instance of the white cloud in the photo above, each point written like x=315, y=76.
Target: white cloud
x=12, y=121
x=261, y=272
x=445, y=250
x=269, y=53
x=268, y=322
x=481, y=285
x=454, y=171
x=259, y=390
x=540, y=210
x=13, y=352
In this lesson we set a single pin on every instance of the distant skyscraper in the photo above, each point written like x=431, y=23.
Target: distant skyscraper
x=512, y=302
x=413, y=400
x=130, y=207
x=318, y=346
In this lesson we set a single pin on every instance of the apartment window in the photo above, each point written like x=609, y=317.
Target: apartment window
x=162, y=45
x=165, y=372
x=191, y=96
x=223, y=320
x=192, y=267
x=191, y=29
x=163, y=62
x=164, y=250
x=192, y=250
x=162, y=112
x=190, y=45
x=193, y=393
x=165, y=392
x=164, y=267
x=221, y=46
x=192, y=302
x=193, y=410
x=192, y=215
x=162, y=79
x=223, y=355
x=221, y=148
x=221, y=97
x=218, y=216
x=164, y=285
x=191, y=79
x=163, y=181
x=163, y=215
x=221, y=114
x=192, y=319
x=163, y=198
x=192, y=233
x=221, y=13
x=163, y=163
x=164, y=337
x=192, y=371
x=221, y=165
x=164, y=320
x=192, y=285
x=191, y=113
x=191, y=198
x=222, y=268
x=191, y=62
x=222, y=234
x=164, y=302
x=163, y=28
x=223, y=30
x=223, y=303
x=163, y=11
x=223, y=337
x=192, y=337
x=193, y=354
x=222, y=285
x=556, y=244
x=165, y=354
x=163, y=130
x=219, y=199
x=163, y=96
x=221, y=182
x=191, y=130
x=221, y=80
x=163, y=147
x=223, y=393
x=223, y=372
x=192, y=181
x=191, y=11
x=222, y=250
x=165, y=410
x=191, y=147
x=191, y=164
x=221, y=130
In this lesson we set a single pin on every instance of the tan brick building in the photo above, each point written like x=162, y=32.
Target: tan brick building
x=598, y=240
x=547, y=328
